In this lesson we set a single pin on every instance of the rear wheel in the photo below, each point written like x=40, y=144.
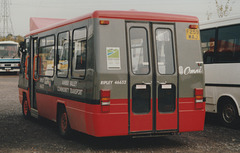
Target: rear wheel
x=25, y=109
x=229, y=113
x=63, y=123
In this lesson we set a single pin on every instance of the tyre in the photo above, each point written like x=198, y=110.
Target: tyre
x=229, y=113
x=63, y=123
x=25, y=109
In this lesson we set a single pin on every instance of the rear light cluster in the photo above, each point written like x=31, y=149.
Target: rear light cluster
x=198, y=93
x=105, y=100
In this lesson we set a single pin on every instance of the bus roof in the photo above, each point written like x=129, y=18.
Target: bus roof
x=220, y=22
x=127, y=15
x=8, y=42
x=36, y=22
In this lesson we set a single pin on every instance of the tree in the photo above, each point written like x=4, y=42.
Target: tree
x=223, y=10
x=10, y=37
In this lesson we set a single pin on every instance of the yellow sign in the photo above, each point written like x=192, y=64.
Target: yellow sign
x=192, y=34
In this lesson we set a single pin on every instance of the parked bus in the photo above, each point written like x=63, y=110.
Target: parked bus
x=116, y=73
x=9, y=58
x=221, y=52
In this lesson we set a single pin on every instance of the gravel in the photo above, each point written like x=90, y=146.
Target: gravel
x=18, y=135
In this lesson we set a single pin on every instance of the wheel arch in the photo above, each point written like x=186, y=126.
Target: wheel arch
x=60, y=106
x=221, y=101
x=25, y=97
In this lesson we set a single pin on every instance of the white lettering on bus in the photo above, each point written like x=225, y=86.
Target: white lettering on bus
x=63, y=89
x=106, y=82
x=120, y=82
x=117, y=82
x=65, y=82
x=76, y=91
x=188, y=70
x=73, y=83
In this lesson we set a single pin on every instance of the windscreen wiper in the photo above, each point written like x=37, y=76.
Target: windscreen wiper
x=15, y=55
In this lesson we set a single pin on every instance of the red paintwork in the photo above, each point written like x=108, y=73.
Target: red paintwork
x=190, y=118
x=166, y=121
x=126, y=15
x=141, y=122
x=21, y=91
x=36, y=23
x=89, y=119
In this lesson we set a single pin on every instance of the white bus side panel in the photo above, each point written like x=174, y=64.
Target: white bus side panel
x=222, y=80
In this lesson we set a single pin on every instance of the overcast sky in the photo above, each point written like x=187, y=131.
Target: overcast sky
x=22, y=10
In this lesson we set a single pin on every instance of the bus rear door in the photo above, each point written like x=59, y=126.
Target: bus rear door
x=152, y=78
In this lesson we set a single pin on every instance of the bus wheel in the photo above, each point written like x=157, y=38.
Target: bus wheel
x=63, y=123
x=229, y=113
x=25, y=109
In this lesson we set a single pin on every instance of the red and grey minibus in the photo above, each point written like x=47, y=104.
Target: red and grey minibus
x=114, y=73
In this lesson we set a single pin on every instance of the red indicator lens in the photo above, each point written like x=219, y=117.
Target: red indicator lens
x=104, y=22
x=193, y=26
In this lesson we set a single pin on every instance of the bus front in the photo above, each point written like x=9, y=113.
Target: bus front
x=9, y=58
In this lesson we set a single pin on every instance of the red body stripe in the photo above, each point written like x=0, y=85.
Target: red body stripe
x=88, y=118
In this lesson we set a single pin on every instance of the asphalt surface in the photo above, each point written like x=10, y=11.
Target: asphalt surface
x=23, y=136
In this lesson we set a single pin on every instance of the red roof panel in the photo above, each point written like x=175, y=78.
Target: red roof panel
x=37, y=23
x=126, y=15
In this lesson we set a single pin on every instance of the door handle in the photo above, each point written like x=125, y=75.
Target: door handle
x=165, y=82
x=147, y=83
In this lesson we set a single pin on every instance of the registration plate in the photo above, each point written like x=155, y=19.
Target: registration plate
x=192, y=34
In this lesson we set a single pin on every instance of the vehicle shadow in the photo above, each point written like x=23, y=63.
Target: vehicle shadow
x=214, y=120
x=121, y=143
x=117, y=143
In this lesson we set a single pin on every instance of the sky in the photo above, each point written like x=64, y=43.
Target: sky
x=22, y=10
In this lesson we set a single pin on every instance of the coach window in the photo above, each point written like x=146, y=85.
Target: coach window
x=208, y=45
x=46, y=56
x=228, y=47
x=62, y=54
x=139, y=51
x=79, y=52
x=165, y=56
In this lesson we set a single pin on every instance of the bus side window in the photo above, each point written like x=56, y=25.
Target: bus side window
x=208, y=45
x=228, y=45
x=46, y=56
x=79, y=53
x=63, y=54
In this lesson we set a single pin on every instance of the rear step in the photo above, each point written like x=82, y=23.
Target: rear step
x=165, y=133
x=34, y=113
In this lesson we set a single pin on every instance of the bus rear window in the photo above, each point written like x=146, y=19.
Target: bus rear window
x=165, y=51
x=139, y=51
